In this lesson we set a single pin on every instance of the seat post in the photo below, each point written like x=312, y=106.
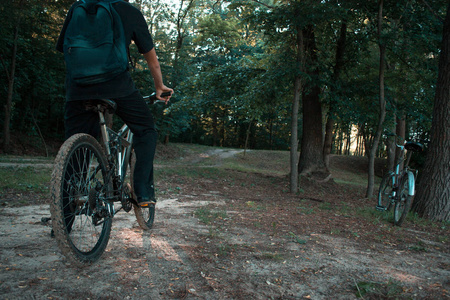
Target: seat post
x=103, y=129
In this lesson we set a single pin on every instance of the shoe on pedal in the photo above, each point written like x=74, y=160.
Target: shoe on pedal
x=145, y=201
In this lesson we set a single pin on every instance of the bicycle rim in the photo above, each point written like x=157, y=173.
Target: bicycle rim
x=403, y=203
x=145, y=216
x=80, y=216
x=385, y=192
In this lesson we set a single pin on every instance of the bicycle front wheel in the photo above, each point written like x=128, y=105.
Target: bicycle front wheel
x=144, y=215
x=385, y=193
x=403, y=203
x=81, y=217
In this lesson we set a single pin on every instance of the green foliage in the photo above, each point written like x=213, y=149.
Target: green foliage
x=39, y=73
x=233, y=64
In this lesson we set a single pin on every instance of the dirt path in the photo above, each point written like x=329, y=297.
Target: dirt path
x=174, y=260
x=228, y=238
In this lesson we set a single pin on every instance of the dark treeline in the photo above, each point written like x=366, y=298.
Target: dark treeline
x=326, y=76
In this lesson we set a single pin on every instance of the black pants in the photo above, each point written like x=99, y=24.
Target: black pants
x=135, y=113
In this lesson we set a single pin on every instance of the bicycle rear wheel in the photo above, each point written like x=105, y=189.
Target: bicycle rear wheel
x=81, y=216
x=403, y=203
x=144, y=215
x=385, y=192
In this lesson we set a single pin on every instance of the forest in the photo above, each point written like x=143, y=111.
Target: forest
x=311, y=77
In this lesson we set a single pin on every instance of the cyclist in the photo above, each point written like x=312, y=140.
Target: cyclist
x=131, y=107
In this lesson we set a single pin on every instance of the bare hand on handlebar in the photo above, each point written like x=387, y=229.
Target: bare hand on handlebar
x=152, y=99
x=164, y=93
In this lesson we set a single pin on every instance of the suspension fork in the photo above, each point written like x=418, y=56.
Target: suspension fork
x=126, y=137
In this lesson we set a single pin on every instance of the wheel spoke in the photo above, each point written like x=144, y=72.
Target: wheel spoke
x=80, y=229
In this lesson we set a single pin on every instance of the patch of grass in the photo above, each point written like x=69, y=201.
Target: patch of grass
x=375, y=290
x=190, y=172
x=371, y=214
x=442, y=239
x=225, y=250
x=25, y=179
x=26, y=159
x=418, y=247
x=272, y=256
x=335, y=231
x=326, y=206
x=416, y=220
x=261, y=161
x=306, y=210
x=356, y=180
x=208, y=216
x=254, y=206
x=213, y=232
x=296, y=239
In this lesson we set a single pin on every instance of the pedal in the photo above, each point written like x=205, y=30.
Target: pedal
x=44, y=220
x=380, y=208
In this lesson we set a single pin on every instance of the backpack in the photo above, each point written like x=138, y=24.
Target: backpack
x=94, y=43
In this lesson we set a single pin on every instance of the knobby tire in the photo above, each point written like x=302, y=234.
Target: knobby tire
x=144, y=215
x=78, y=192
x=403, y=203
x=385, y=192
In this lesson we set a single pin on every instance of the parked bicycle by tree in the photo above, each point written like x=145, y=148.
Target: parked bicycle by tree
x=397, y=188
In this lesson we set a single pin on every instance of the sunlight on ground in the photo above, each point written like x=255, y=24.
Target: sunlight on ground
x=164, y=248
x=131, y=237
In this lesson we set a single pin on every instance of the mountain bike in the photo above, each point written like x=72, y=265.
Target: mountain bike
x=87, y=180
x=397, y=188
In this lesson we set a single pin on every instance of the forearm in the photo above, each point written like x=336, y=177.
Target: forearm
x=155, y=68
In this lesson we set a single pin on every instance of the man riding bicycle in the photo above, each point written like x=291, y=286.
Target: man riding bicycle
x=131, y=107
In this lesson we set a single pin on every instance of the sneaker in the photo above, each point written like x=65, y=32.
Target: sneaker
x=146, y=201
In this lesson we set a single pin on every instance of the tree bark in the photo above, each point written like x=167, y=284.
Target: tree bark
x=339, y=64
x=382, y=113
x=298, y=87
x=311, y=155
x=8, y=106
x=433, y=194
x=328, y=141
x=247, y=135
x=215, y=125
x=294, y=136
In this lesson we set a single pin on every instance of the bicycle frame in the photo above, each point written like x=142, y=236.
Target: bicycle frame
x=118, y=148
x=406, y=171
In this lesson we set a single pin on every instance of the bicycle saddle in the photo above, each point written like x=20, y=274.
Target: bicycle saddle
x=413, y=146
x=105, y=105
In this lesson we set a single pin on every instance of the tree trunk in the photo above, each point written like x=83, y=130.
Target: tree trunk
x=294, y=136
x=382, y=114
x=433, y=194
x=215, y=128
x=8, y=106
x=298, y=88
x=311, y=155
x=328, y=141
x=247, y=135
x=339, y=64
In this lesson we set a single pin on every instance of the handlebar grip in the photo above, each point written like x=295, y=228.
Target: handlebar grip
x=152, y=98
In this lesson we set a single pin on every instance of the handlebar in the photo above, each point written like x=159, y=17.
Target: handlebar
x=153, y=100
